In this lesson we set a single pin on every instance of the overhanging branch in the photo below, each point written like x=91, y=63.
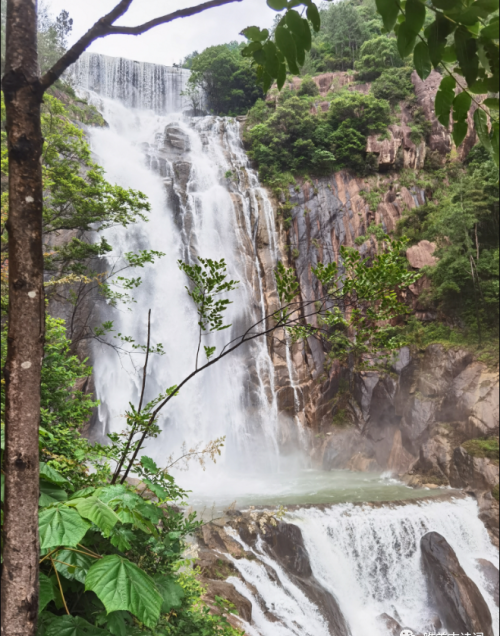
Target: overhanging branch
x=104, y=26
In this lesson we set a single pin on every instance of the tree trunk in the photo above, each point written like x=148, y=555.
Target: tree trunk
x=22, y=94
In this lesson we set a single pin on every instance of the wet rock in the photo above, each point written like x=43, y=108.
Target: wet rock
x=216, y=538
x=285, y=544
x=474, y=473
x=394, y=628
x=213, y=565
x=227, y=591
x=457, y=599
x=490, y=573
x=489, y=515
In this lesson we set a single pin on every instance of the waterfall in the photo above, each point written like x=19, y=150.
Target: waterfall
x=369, y=559
x=206, y=201
x=136, y=84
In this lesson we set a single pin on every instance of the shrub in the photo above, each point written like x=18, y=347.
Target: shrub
x=308, y=88
x=376, y=56
x=394, y=85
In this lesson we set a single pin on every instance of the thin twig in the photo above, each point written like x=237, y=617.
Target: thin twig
x=60, y=587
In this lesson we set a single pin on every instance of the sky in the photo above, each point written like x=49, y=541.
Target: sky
x=168, y=43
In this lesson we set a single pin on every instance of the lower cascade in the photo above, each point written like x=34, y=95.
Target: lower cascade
x=338, y=561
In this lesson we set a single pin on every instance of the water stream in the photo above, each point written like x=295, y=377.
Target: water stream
x=207, y=201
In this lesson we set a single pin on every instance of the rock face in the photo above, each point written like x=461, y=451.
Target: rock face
x=457, y=598
x=491, y=574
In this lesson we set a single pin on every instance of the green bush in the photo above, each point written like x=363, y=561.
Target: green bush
x=376, y=56
x=227, y=79
x=394, y=85
x=308, y=88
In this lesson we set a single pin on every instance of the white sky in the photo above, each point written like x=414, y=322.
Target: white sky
x=168, y=43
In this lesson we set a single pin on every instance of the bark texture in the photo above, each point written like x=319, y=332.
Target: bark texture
x=26, y=323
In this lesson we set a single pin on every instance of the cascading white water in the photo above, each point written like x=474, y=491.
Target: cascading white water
x=220, y=208
x=136, y=84
x=369, y=559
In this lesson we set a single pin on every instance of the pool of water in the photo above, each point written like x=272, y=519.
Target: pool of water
x=305, y=486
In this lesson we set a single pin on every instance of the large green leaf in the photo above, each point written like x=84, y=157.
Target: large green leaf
x=277, y=5
x=286, y=44
x=272, y=67
x=406, y=39
x=481, y=125
x=116, y=624
x=313, y=16
x=50, y=493
x=437, y=34
x=73, y=565
x=72, y=626
x=61, y=526
x=491, y=103
x=49, y=474
x=281, y=76
x=306, y=34
x=491, y=30
x=171, y=592
x=467, y=54
x=444, y=100
x=415, y=15
x=46, y=592
x=97, y=511
x=389, y=10
x=121, y=585
x=461, y=107
x=447, y=5
x=422, y=60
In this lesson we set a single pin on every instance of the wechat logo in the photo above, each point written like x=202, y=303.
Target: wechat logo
x=407, y=632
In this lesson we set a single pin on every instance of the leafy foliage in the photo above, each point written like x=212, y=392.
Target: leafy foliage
x=463, y=221
x=376, y=56
x=355, y=313
x=463, y=40
x=226, y=80
x=291, y=139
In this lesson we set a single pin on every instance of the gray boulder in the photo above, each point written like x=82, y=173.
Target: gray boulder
x=490, y=573
x=457, y=599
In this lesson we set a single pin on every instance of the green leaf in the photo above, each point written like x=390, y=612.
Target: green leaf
x=121, y=585
x=149, y=464
x=460, y=130
x=467, y=54
x=171, y=592
x=272, y=63
x=406, y=39
x=116, y=624
x=49, y=474
x=46, y=592
x=277, y=5
x=97, y=511
x=72, y=626
x=389, y=10
x=461, y=106
x=260, y=57
x=444, y=100
x=73, y=565
x=84, y=492
x=491, y=103
x=481, y=125
x=286, y=44
x=437, y=34
x=489, y=5
x=491, y=31
x=415, y=15
x=50, y=493
x=449, y=54
x=251, y=48
x=446, y=5
x=313, y=16
x=251, y=33
x=281, y=79
x=479, y=88
x=306, y=35
x=2, y=442
x=61, y=526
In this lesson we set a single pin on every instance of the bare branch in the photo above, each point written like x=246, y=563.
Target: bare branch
x=104, y=26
